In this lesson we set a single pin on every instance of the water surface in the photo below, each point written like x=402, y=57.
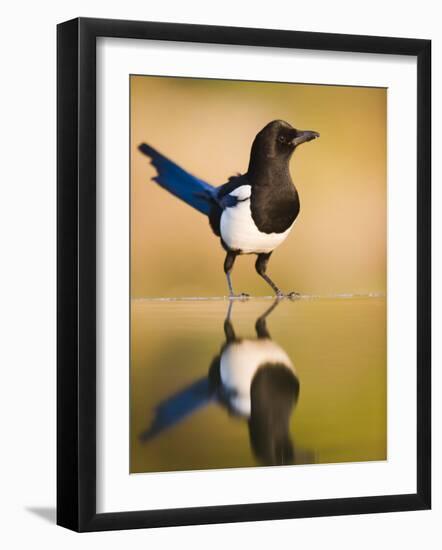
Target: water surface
x=304, y=382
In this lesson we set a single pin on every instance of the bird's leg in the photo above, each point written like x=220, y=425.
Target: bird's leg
x=228, y=326
x=261, y=322
x=228, y=266
x=261, y=266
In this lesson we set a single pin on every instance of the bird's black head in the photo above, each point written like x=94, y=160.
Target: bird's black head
x=278, y=139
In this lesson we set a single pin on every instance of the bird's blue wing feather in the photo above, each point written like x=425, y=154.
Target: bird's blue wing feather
x=173, y=178
x=227, y=201
x=223, y=197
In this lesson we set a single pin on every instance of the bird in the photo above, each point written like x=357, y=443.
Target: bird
x=255, y=379
x=252, y=379
x=252, y=213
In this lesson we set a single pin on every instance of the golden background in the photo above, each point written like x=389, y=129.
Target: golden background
x=338, y=244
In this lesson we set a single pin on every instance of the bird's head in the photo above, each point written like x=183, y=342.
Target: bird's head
x=278, y=139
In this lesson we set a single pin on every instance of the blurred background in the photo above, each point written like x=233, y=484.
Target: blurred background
x=338, y=244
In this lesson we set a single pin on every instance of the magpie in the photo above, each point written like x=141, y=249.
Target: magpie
x=252, y=213
x=253, y=379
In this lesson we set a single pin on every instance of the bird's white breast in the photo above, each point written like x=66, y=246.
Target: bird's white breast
x=238, y=229
x=239, y=363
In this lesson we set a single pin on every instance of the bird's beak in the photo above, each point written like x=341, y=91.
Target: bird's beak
x=302, y=136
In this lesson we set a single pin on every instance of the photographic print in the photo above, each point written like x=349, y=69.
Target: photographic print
x=229, y=211
x=258, y=274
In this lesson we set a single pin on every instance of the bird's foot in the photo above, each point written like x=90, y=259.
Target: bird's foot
x=289, y=295
x=240, y=296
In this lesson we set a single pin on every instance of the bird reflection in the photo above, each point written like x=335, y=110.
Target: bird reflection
x=253, y=379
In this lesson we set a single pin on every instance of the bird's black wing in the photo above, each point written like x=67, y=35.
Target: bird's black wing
x=223, y=199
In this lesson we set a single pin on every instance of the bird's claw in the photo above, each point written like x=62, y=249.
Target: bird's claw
x=240, y=296
x=289, y=295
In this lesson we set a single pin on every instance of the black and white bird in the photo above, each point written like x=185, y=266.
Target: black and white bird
x=252, y=213
x=253, y=379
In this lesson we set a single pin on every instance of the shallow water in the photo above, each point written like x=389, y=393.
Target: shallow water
x=308, y=387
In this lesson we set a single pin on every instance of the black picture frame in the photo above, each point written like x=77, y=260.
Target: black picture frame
x=76, y=273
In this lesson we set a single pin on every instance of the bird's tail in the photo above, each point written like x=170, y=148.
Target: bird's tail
x=177, y=407
x=193, y=191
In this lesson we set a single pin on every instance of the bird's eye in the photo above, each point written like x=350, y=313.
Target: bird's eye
x=281, y=139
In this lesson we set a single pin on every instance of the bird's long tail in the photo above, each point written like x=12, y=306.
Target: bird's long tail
x=193, y=191
x=177, y=407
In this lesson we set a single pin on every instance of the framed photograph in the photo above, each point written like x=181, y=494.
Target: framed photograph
x=243, y=274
